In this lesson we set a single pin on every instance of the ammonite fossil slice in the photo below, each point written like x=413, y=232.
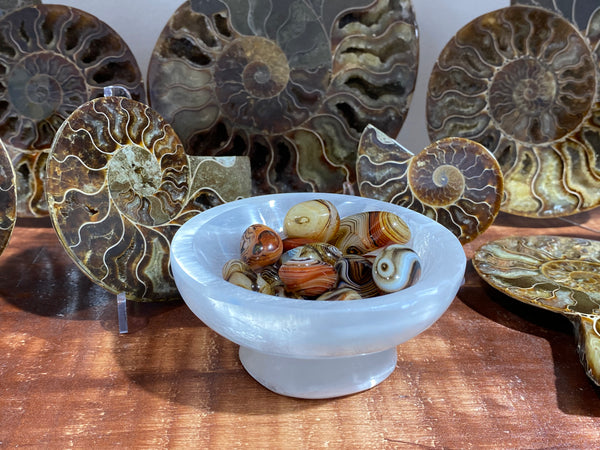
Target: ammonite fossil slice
x=523, y=82
x=560, y=274
x=8, y=198
x=119, y=185
x=290, y=84
x=455, y=181
x=30, y=168
x=53, y=59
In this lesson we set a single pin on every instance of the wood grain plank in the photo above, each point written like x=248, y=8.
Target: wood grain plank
x=492, y=372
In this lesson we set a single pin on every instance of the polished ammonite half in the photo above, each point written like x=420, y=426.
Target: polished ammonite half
x=290, y=84
x=560, y=274
x=53, y=58
x=119, y=185
x=8, y=198
x=455, y=181
x=523, y=82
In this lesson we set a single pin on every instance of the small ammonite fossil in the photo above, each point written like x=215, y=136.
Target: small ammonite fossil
x=290, y=84
x=8, y=198
x=455, y=181
x=560, y=274
x=523, y=82
x=53, y=58
x=119, y=185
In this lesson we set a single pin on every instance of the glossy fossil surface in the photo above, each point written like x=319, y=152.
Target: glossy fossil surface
x=8, y=198
x=523, y=82
x=455, y=181
x=119, y=185
x=585, y=14
x=30, y=170
x=561, y=274
x=53, y=58
x=290, y=84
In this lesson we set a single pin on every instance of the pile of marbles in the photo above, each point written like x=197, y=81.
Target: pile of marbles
x=322, y=257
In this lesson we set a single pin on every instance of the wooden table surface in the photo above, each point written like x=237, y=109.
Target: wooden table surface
x=492, y=372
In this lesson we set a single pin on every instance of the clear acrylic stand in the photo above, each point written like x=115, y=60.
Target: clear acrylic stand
x=122, y=313
x=120, y=91
x=116, y=91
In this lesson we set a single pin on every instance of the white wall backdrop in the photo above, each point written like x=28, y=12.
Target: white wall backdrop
x=139, y=22
x=438, y=22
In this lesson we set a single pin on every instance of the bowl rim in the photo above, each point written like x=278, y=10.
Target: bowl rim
x=182, y=259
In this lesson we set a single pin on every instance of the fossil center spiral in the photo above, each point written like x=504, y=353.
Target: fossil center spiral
x=267, y=71
x=258, y=86
x=522, y=100
x=133, y=177
x=533, y=103
x=135, y=169
x=576, y=274
x=39, y=84
x=265, y=68
x=450, y=181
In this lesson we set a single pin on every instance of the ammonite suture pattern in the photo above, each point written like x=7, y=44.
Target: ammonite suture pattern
x=585, y=14
x=8, y=198
x=523, y=82
x=454, y=181
x=119, y=185
x=560, y=274
x=290, y=84
x=53, y=59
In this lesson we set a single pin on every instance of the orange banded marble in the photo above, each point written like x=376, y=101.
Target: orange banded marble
x=260, y=246
x=317, y=220
x=362, y=232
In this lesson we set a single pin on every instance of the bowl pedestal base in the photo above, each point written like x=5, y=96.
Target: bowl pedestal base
x=320, y=377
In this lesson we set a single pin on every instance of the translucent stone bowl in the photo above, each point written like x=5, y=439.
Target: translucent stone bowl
x=304, y=348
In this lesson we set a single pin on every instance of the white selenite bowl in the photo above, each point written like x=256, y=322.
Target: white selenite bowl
x=304, y=348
